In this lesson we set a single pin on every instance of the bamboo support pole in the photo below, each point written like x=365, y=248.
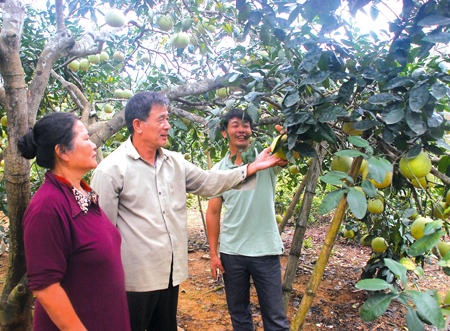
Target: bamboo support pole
x=310, y=179
x=291, y=207
x=324, y=255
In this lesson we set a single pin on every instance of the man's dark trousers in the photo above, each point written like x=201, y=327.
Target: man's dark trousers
x=266, y=274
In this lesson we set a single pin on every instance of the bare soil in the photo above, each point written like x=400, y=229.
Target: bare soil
x=202, y=304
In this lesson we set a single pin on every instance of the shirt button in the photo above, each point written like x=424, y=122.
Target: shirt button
x=159, y=193
x=164, y=212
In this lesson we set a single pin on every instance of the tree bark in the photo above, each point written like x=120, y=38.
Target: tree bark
x=16, y=168
x=310, y=179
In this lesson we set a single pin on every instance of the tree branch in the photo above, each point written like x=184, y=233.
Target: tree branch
x=185, y=114
x=76, y=95
x=59, y=15
x=197, y=88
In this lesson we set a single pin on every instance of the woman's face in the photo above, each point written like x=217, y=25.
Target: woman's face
x=83, y=154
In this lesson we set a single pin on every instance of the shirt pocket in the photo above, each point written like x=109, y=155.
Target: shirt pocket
x=177, y=192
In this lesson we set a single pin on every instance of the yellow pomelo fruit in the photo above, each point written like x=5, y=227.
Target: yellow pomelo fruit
x=310, y=161
x=104, y=56
x=407, y=263
x=281, y=152
x=118, y=56
x=387, y=179
x=279, y=218
x=447, y=197
x=363, y=166
x=74, y=65
x=379, y=245
x=145, y=58
x=165, y=23
x=4, y=120
x=447, y=298
x=118, y=93
x=341, y=163
x=115, y=18
x=118, y=136
x=181, y=40
x=127, y=94
x=94, y=59
x=294, y=169
x=418, y=167
x=375, y=206
x=418, y=226
x=439, y=210
x=84, y=64
x=222, y=92
x=349, y=234
x=443, y=248
x=365, y=240
x=422, y=181
x=108, y=109
x=347, y=127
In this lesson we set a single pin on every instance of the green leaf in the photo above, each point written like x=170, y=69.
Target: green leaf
x=394, y=116
x=413, y=322
x=350, y=152
x=357, y=203
x=432, y=227
x=373, y=284
x=397, y=82
x=439, y=90
x=312, y=59
x=419, y=271
x=334, y=177
x=375, y=306
x=381, y=98
x=427, y=306
x=419, y=97
x=305, y=150
x=331, y=201
x=368, y=188
x=326, y=132
x=425, y=243
x=291, y=100
x=330, y=113
x=433, y=20
x=358, y=141
x=395, y=267
x=376, y=170
x=253, y=112
x=440, y=37
x=315, y=78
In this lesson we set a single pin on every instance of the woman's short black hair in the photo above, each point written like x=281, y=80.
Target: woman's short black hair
x=139, y=106
x=51, y=130
x=235, y=113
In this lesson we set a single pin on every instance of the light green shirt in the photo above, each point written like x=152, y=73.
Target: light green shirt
x=249, y=226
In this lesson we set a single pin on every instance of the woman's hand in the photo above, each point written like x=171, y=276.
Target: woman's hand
x=58, y=307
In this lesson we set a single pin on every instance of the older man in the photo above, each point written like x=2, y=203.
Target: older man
x=142, y=189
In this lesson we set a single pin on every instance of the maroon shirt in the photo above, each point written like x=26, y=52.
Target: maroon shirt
x=81, y=252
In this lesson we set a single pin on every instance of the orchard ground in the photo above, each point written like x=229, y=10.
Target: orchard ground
x=202, y=303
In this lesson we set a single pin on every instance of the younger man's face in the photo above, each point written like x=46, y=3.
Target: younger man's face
x=239, y=133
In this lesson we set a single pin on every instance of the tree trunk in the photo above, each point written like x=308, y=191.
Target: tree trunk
x=15, y=300
x=324, y=255
x=310, y=179
x=291, y=207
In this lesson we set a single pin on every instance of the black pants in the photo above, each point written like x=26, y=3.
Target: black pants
x=155, y=310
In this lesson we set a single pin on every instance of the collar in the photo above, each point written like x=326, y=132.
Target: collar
x=162, y=153
x=84, y=202
x=52, y=180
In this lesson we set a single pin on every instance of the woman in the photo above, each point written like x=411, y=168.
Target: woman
x=72, y=249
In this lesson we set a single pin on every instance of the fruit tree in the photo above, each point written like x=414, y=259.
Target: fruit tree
x=378, y=100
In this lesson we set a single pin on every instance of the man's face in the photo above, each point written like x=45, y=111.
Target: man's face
x=239, y=133
x=155, y=131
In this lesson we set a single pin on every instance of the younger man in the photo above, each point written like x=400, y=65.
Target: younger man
x=250, y=244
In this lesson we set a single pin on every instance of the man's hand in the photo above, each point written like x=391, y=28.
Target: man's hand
x=216, y=263
x=264, y=160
